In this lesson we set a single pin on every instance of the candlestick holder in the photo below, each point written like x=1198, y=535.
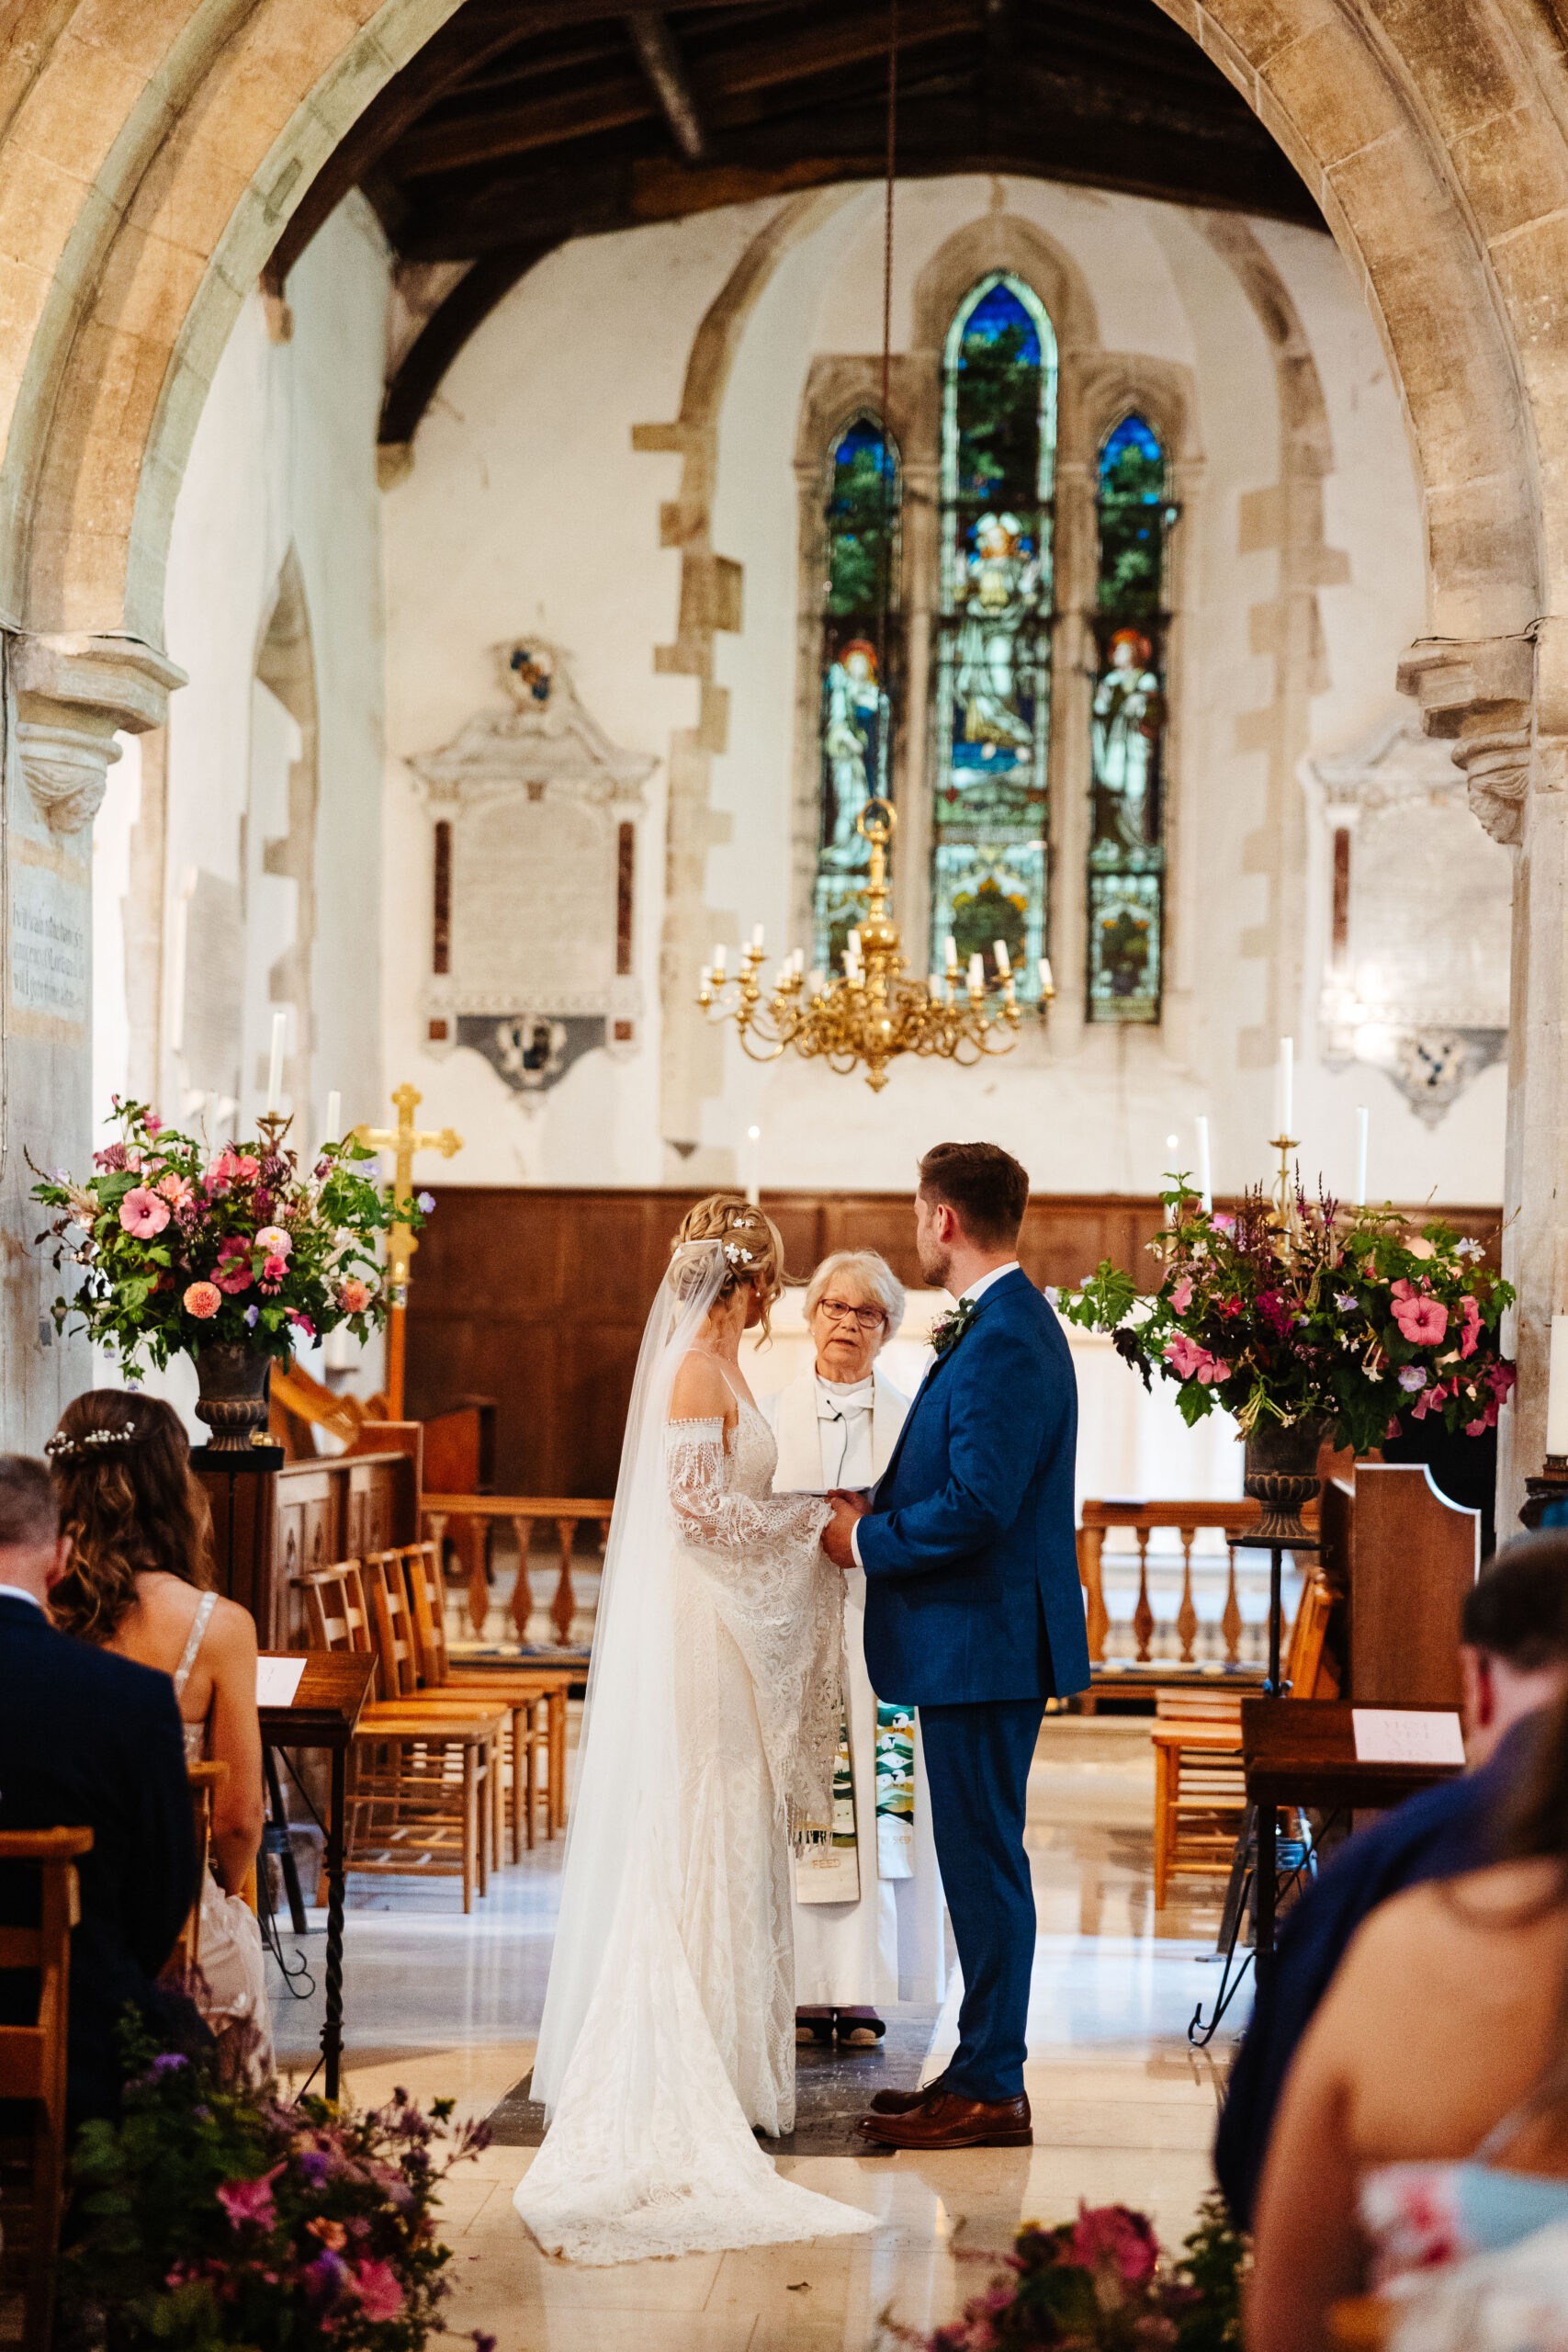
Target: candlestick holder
x=1284, y=1218
x=273, y=1126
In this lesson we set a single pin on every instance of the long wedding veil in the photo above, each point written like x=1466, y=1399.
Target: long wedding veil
x=627, y=1784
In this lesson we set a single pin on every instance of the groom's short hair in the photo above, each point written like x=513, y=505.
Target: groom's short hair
x=984, y=1187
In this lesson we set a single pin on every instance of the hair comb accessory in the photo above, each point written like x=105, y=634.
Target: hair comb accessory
x=70, y=1449
x=735, y=1255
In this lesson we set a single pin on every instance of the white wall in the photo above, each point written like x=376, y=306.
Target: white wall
x=526, y=506
x=284, y=458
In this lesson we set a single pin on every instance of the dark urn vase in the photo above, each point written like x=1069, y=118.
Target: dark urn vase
x=1281, y=1474
x=235, y=1382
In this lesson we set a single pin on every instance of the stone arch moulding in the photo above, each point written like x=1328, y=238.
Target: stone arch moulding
x=191, y=138
x=286, y=665
x=690, y=1053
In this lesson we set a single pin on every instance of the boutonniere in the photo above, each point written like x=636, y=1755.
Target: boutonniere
x=948, y=1329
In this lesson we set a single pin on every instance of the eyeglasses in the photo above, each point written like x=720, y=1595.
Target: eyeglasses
x=868, y=1318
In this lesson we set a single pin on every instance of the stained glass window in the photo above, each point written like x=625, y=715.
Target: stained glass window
x=1126, y=858
x=855, y=734
x=991, y=701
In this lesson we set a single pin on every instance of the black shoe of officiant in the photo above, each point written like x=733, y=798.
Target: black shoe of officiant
x=858, y=2029
x=814, y=2026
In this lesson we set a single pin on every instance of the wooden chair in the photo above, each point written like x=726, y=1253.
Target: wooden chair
x=397, y=1658
x=536, y=1697
x=205, y=1778
x=420, y=1785
x=32, y=2065
x=1200, y=1783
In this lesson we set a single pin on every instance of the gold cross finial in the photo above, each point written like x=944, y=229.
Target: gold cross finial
x=402, y=1141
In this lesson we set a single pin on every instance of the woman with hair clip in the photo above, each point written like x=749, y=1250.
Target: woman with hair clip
x=137, y=1584
x=1422, y=2141
x=667, y=2036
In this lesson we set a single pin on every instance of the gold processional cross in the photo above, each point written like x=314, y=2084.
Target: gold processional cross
x=402, y=1141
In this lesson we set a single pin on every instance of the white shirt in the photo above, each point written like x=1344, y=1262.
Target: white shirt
x=975, y=1294
x=16, y=1592
x=843, y=1426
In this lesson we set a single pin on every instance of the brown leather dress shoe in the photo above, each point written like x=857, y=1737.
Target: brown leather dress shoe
x=904, y=2102
x=943, y=2120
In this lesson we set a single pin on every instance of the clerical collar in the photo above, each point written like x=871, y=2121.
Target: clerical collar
x=846, y=1392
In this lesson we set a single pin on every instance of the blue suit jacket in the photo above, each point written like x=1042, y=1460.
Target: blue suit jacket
x=1441, y=1834
x=969, y=1543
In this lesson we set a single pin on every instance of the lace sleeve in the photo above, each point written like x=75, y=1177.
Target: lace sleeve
x=712, y=1518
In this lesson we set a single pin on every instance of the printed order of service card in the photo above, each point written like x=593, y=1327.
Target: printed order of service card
x=1407, y=1736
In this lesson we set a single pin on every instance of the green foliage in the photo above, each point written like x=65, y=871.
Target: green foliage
x=163, y=1227
x=211, y=2215
x=1132, y=532
x=1215, y=2264
x=999, y=421
x=862, y=525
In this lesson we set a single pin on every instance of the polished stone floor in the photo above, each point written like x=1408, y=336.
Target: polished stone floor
x=1122, y=2109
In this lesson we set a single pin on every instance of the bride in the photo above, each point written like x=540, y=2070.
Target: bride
x=713, y=1706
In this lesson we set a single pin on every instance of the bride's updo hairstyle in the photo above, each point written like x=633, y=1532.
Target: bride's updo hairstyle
x=751, y=1243
x=127, y=1501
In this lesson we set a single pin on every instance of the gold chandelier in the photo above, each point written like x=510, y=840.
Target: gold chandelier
x=872, y=1013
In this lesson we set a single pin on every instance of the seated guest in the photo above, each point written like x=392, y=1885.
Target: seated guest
x=1514, y=1664
x=1426, y=2116
x=836, y=1426
x=86, y=1741
x=139, y=1538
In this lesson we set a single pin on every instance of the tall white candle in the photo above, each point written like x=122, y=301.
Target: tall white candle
x=999, y=949
x=951, y=952
x=1362, y=1124
x=754, y=1164
x=1205, y=1182
x=1557, y=1390
x=334, y=1116
x=275, y=1069
x=718, y=961
x=1046, y=983
x=757, y=938
x=977, y=975
x=1287, y=1083
x=854, y=945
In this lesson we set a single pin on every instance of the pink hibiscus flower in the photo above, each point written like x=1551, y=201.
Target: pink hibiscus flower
x=1184, y=1354
x=1423, y=1320
x=233, y=1272
x=249, y=2201
x=1181, y=1296
x=380, y=2297
x=203, y=1300
x=143, y=1213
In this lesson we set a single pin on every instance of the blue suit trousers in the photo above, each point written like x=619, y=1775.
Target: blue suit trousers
x=977, y=1758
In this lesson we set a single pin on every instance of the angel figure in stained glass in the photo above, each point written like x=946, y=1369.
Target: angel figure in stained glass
x=1129, y=712
x=852, y=705
x=998, y=591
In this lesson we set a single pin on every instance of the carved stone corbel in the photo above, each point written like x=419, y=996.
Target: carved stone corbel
x=75, y=695
x=1478, y=696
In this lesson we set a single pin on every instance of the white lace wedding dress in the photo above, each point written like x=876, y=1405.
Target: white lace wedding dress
x=686, y=2038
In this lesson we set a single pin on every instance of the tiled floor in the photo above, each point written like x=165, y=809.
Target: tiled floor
x=1122, y=2109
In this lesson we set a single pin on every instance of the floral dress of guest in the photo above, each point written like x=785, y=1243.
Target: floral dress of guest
x=233, y=1959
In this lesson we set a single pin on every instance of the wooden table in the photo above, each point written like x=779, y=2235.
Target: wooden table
x=327, y=1706
x=1302, y=1751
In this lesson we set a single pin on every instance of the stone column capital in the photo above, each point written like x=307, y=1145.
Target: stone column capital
x=75, y=695
x=1478, y=694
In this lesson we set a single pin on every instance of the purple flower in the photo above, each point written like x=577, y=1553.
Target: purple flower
x=315, y=2167
x=326, y=2277
x=1412, y=1377
x=252, y=1316
x=427, y=1202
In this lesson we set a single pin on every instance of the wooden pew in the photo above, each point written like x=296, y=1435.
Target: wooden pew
x=32, y=2061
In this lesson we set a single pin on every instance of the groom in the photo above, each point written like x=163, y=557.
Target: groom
x=974, y=1612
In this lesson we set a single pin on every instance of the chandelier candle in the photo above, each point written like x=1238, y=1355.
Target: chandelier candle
x=334, y=1117
x=1362, y=1124
x=275, y=1067
x=1205, y=1185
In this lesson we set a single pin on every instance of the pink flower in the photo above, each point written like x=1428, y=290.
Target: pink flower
x=274, y=1242
x=232, y=1272
x=249, y=2201
x=1181, y=1296
x=1393, y=1430
x=155, y=1124
x=274, y=1269
x=1184, y=1354
x=1115, y=2238
x=143, y=1213
x=1470, y=1316
x=353, y=1295
x=1430, y=1401
x=247, y=1169
x=380, y=2297
x=203, y=1300
x=1503, y=1378
x=176, y=1190
x=1422, y=1320
x=303, y=1323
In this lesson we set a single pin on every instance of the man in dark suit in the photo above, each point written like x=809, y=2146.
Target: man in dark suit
x=974, y=1611
x=87, y=1740
x=1515, y=1666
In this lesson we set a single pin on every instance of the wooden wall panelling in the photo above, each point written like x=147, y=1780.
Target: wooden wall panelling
x=1414, y=1556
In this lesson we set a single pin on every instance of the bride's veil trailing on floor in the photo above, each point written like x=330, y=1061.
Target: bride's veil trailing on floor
x=649, y=2152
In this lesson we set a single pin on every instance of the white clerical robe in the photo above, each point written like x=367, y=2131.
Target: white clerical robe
x=890, y=1945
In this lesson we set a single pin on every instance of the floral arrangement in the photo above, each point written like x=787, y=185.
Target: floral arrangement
x=1345, y=1319
x=211, y=2214
x=182, y=1245
x=1102, y=2284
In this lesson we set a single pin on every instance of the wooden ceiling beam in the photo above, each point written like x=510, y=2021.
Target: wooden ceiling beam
x=447, y=329
x=660, y=60
x=462, y=141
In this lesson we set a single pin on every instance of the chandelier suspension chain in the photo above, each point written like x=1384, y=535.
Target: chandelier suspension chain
x=883, y=680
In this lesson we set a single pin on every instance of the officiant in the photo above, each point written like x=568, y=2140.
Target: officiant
x=868, y=1908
